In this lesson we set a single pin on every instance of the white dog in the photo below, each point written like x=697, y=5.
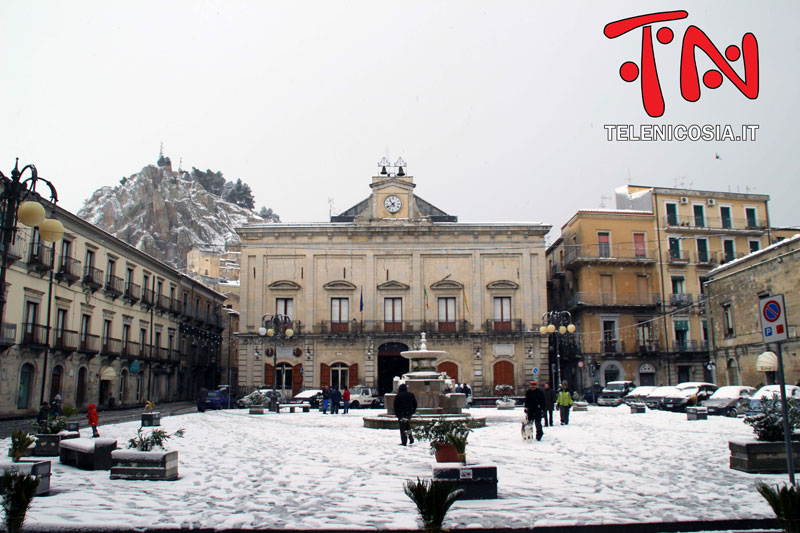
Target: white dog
x=527, y=430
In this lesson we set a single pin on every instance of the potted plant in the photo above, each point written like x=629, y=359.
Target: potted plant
x=767, y=452
x=256, y=400
x=146, y=457
x=506, y=402
x=150, y=417
x=637, y=405
x=694, y=411
x=49, y=433
x=447, y=438
x=22, y=446
x=18, y=491
x=579, y=403
x=21, y=442
x=433, y=499
x=785, y=502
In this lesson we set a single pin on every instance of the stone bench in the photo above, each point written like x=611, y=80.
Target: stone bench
x=293, y=408
x=153, y=465
x=479, y=482
x=87, y=454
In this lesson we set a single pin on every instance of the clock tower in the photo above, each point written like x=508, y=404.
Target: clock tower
x=393, y=192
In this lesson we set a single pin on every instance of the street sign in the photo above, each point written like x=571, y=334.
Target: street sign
x=580, y=364
x=535, y=370
x=773, y=318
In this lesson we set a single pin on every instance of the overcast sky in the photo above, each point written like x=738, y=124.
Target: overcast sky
x=497, y=107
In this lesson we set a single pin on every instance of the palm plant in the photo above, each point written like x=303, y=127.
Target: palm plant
x=18, y=492
x=433, y=499
x=20, y=442
x=154, y=439
x=785, y=502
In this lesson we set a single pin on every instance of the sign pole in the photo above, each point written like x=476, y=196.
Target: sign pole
x=787, y=434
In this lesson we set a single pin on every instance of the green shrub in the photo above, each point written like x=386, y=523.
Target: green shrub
x=768, y=424
x=785, y=502
x=442, y=431
x=20, y=442
x=145, y=442
x=433, y=500
x=18, y=492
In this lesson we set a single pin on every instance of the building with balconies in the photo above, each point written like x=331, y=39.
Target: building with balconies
x=361, y=288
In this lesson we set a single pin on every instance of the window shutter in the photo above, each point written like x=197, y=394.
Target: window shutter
x=353, y=375
x=297, y=378
x=269, y=374
x=324, y=375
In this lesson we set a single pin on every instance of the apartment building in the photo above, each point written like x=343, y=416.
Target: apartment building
x=97, y=321
x=361, y=288
x=633, y=279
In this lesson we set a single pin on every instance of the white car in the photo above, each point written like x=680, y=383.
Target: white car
x=639, y=394
x=770, y=391
x=368, y=397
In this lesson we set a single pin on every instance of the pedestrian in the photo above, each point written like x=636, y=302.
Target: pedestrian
x=534, y=407
x=55, y=406
x=44, y=413
x=549, y=404
x=336, y=397
x=459, y=389
x=202, y=396
x=468, y=393
x=564, y=401
x=346, y=400
x=326, y=397
x=405, y=405
x=92, y=416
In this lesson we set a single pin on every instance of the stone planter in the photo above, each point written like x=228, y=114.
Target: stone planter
x=38, y=468
x=506, y=404
x=479, y=482
x=580, y=406
x=155, y=465
x=88, y=454
x=73, y=426
x=761, y=457
x=637, y=408
x=256, y=410
x=151, y=419
x=696, y=413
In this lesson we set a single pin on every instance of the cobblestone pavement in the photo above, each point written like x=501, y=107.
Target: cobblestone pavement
x=112, y=416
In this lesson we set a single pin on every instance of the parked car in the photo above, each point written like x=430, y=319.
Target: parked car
x=655, y=400
x=310, y=397
x=770, y=391
x=611, y=399
x=252, y=399
x=219, y=399
x=619, y=386
x=679, y=399
x=361, y=396
x=639, y=394
x=731, y=400
x=590, y=394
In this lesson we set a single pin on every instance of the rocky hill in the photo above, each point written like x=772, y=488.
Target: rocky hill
x=164, y=213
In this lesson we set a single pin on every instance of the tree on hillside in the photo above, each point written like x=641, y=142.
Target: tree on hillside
x=239, y=193
x=269, y=214
x=211, y=181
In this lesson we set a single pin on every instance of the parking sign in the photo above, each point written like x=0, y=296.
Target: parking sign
x=773, y=318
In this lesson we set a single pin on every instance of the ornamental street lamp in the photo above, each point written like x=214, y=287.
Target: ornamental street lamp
x=558, y=323
x=279, y=328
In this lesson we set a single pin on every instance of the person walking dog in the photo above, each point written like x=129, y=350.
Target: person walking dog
x=534, y=407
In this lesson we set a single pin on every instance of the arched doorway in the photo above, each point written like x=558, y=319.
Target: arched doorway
x=390, y=364
x=55, y=381
x=503, y=372
x=285, y=379
x=25, y=386
x=647, y=375
x=123, y=387
x=733, y=372
x=80, y=395
x=449, y=368
x=610, y=371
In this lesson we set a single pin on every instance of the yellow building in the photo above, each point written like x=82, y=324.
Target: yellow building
x=361, y=288
x=632, y=279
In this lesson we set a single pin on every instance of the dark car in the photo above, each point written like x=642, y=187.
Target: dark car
x=655, y=400
x=590, y=394
x=732, y=400
x=219, y=399
x=688, y=393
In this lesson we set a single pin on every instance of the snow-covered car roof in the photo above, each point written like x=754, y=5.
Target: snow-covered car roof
x=692, y=384
x=310, y=393
x=731, y=391
x=775, y=390
x=662, y=391
x=642, y=390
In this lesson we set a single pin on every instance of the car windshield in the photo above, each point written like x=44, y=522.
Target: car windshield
x=662, y=391
x=728, y=393
x=615, y=385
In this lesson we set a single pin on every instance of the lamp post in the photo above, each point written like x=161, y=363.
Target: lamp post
x=277, y=327
x=19, y=202
x=557, y=323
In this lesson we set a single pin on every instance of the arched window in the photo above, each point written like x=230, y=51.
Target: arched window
x=733, y=372
x=80, y=390
x=449, y=368
x=503, y=373
x=340, y=376
x=123, y=386
x=55, y=381
x=25, y=386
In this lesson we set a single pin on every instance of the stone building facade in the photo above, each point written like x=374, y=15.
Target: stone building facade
x=97, y=321
x=361, y=288
x=733, y=292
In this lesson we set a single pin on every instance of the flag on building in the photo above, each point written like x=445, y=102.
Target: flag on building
x=466, y=303
x=361, y=301
x=426, y=296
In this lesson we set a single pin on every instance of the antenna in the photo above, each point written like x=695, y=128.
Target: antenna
x=180, y=164
x=629, y=176
x=603, y=200
x=330, y=206
x=161, y=151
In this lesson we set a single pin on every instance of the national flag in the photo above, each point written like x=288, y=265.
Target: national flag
x=361, y=301
x=716, y=156
x=426, y=296
x=466, y=303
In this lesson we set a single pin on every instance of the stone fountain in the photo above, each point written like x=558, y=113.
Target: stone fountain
x=434, y=391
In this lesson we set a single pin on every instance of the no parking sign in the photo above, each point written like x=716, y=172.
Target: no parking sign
x=773, y=318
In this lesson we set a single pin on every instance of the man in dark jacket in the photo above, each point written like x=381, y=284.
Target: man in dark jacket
x=405, y=405
x=336, y=397
x=534, y=407
x=549, y=404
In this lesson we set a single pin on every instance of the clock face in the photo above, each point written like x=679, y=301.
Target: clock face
x=392, y=204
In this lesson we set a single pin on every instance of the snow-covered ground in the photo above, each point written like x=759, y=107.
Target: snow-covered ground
x=309, y=471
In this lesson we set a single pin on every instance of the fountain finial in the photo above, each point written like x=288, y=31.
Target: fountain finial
x=422, y=344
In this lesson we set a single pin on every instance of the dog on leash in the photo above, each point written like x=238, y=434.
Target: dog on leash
x=527, y=430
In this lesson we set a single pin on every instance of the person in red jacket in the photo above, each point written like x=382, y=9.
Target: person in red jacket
x=346, y=400
x=92, y=415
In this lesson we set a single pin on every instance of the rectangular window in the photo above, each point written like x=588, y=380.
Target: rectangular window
x=126, y=335
x=603, y=244
x=727, y=320
x=110, y=268
x=644, y=337
x=128, y=277
x=393, y=314
x=106, y=332
x=606, y=289
x=61, y=323
x=699, y=215
x=725, y=217
x=447, y=314
x=702, y=251
x=284, y=377
x=31, y=316
x=157, y=344
x=639, y=248
x=681, y=335
x=674, y=248
x=610, y=336
x=729, y=250
x=340, y=376
x=502, y=313
x=678, y=284
x=89, y=258
x=672, y=214
x=754, y=246
x=85, y=320
x=340, y=315
x=752, y=219
x=284, y=306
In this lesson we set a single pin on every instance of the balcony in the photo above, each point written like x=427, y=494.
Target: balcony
x=66, y=341
x=40, y=259
x=680, y=299
x=692, y=222
x=684, y=346
x=130, y=350
x=557, y=269
x=114, y=286
x=677, y=257
x=8, y=335
x=612, y=346
x=34, y=335
x=89, y=344
x=392, y=327
x=646, y=347
x=709, y=259
x=69, y=270
x=111, y=347
x=613, y=299
x=608, y=254
x=133, y=293
x=16, y=249
x=162, y=302
x=175, y=306
x=92, y=278
x=148, y=298
x=503, y=326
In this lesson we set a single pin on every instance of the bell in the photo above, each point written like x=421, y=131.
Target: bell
x=400, y=172
x=383, y=171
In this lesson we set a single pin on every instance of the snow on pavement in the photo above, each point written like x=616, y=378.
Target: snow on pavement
x=310, y=471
